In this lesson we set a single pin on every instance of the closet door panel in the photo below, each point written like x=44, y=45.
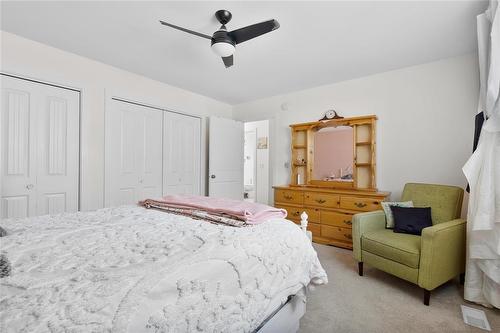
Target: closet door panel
x=172, y=154
x=58, y=152
x=122, y=162
x=133, y=166
x=151, y=147
x=181, y=154
x=18, y=131
x=191, y=157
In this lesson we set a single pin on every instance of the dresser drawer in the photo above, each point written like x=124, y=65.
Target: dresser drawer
x=363, y=204
x=336, y=219
x=341, y=234
x=295, y=212
x=293, y=197
x=315, y=229
x=321, y=199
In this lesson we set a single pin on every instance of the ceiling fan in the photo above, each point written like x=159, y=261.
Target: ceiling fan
x=223, y=41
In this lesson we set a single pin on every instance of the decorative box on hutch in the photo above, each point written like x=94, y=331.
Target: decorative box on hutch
x=332, y=176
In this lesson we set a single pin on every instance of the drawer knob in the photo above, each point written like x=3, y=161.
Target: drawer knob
x=347, y=236
x=296, y=213
x=347, y=222
x=287, y=197
x=320, y=201
x=360, y=204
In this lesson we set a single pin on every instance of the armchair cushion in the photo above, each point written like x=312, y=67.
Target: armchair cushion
x=401, y=248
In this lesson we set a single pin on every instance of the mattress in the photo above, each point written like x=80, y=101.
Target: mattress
x=129, y=269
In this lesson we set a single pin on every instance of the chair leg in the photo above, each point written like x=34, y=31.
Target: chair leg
x=427, y=296
x=360, y=268
x=462, y=278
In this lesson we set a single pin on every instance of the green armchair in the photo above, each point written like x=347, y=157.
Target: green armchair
x=428, y=260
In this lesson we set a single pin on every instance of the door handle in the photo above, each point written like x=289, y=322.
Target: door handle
x=212, y=176
x=29, y=186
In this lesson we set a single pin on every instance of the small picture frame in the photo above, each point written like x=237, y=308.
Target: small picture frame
x=262, y=142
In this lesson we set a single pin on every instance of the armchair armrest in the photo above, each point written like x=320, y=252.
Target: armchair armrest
x=362, y=223
x=442, y=254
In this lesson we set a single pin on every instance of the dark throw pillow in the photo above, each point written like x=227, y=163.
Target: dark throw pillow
x=411, y=220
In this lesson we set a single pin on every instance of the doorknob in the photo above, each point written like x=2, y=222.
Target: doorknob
x=212, y=176
x=29, y=186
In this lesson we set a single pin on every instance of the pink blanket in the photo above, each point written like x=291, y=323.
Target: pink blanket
x=251, y=213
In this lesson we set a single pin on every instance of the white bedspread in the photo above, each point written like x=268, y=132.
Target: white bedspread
x=129, y=269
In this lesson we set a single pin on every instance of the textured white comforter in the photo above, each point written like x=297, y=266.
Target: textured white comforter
x=129, y=269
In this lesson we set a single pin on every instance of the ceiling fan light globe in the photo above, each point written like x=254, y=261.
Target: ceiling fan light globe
x=223, y=49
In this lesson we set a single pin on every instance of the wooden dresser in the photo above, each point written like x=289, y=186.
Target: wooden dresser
x=330, y=211
x=331, y=199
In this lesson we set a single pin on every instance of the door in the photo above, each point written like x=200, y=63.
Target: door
x=133, y=153
x=226, y=158
x=181, y=157
x=40, y=148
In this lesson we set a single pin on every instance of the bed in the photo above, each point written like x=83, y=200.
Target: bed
x=131, y=269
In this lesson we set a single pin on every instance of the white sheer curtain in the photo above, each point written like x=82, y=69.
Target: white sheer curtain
x=482, y=279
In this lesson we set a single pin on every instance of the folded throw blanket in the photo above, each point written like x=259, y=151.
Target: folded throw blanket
x=251, y=213
x=196, y=214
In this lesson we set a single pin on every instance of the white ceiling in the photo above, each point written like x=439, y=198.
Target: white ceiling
x=318, y=42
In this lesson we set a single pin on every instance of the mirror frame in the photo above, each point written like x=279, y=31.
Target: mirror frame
x=364, y=171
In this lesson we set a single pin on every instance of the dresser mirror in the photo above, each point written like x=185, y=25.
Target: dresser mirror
x=333, y=154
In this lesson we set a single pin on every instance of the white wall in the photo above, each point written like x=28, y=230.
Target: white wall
x=425, y=120
x=425, y=112
x=262, y=161
x=98, y=83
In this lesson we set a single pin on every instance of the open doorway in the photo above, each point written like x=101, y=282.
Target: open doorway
x=256, y=165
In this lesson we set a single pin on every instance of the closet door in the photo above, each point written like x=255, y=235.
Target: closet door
x=40, y=148
x=182, y=148
x=133, y=158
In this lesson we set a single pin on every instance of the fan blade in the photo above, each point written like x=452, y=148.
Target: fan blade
x=228, y=61
x=186, y=30
x=243, y=34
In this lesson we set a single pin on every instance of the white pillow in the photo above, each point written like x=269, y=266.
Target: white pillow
x=389, y=218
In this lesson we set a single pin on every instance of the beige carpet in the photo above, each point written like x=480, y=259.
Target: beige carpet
x=379, y=302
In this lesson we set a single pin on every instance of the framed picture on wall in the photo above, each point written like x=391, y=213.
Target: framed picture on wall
x=262, y=142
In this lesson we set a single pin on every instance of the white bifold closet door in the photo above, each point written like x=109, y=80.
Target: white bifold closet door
x=133, y=153
x=40, y=148
x=181, y=159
